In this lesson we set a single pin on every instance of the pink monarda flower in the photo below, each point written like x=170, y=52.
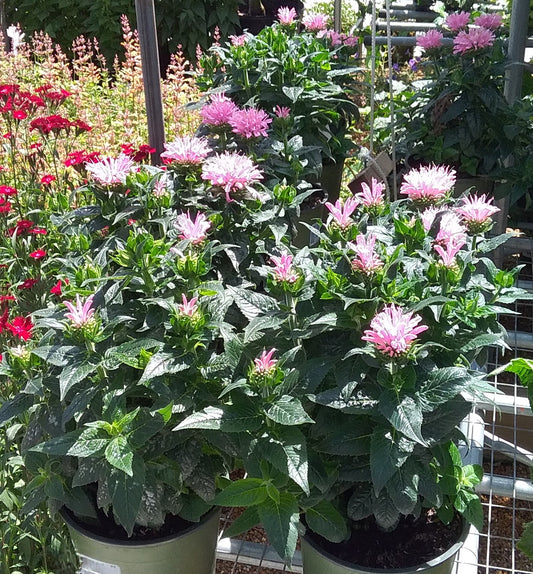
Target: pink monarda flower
x=111, y=170
x=188, y=308
x=342, y=212
x=186, y=150
x=450, y=225
x=219, y=111
x=371, y=196
x=265, y=363
x=81, y=313
x=428, y=184
x=476, y=212
x=282, y=111
x=393, y=332
x=449, y=251
x=286, y=16
x=231, y=171
x=474, y=39
x=367, y=260
x=250, y=123
x=193, y=231
x=457, y=21
x=489, y=21
x=430, y=40
x=315, y=22
x=283, y=270
x=335, y=38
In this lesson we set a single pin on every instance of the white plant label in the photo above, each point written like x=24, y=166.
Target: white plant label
x=92, y=566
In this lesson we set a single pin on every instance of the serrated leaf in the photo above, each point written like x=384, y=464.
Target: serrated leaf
x=402, y=489
x=525, y=544
x=288, y=411
x=257, y=325
x=209, y=418
x=326, y=520
x=360, y=504
x=128, y=353
x=280, y=521
x=59, y=445
x=119, y=454
x=245, y=492
x=58, y=355
x=253, y=304
x=385, y=513
x=89, y=444
x=441, y=386
x=386, y=456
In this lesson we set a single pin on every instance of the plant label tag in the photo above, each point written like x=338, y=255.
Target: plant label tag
x=92, y=566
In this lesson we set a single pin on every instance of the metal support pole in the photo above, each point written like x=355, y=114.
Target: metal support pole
x=146, y=27
x=517, y=47
x=337, y=8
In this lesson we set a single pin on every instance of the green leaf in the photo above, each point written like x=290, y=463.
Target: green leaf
x=128, y=353
x=58, y=355
x=163, y=363
x=326, y=520
x=288, y=411
x=402, y=488
x=386, y=456
x=280, y=521
x=88, y=444
x=441, y=386
x=208, y=418
x=244, y=522
x=244, y=492
x=14, y=407
x=253, y=304
x=404, y=414
x=73, y=374
x=120, y=455
x=293, y=92
x=469, y=505
x=59, y=445
x=126, y=493
x=385, y=513
x=360, y=504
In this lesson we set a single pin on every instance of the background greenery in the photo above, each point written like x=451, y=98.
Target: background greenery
x=178, y=22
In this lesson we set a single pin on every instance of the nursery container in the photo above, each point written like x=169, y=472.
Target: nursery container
x=192, y=550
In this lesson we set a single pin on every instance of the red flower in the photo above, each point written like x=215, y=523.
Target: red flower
x=5, y=298
x=28, y=283
x=81, y=157
x=20, y=114
x=81, y=126
x=57, y=288
x=39, y=254
x=38, y=231
x=54, y=123
x=137, y=155
x=3, y=320
x=37, y=145
x=21, y=327
x=5, y=206
x=47, y=179
x=6, y=190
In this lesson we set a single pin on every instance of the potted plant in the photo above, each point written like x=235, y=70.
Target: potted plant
x=353, y=372
x=457, y=113
x=306, y=71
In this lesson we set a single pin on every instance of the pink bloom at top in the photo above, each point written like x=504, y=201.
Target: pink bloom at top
x=449, y=251
x=188, y=308
x=282, y=111
x=371, y=196
x=111, y=170
x=238, y=40
x=265, y=363
x=219, y=111
x=367, y=260
x=186, y=150
x=81, y=313
x=476, y=211
x=250, y=123
x=286, y=16
x=428, y=184
x=283, y=270
x=315, y=22
x=474, y=39
x=431, y=39
x=231, y=171
x=489, y=21
x=457, y=21
x=393, y=332
x=342, y=212
x=194, y=231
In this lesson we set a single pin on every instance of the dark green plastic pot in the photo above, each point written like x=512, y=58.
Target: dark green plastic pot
x=191, y=551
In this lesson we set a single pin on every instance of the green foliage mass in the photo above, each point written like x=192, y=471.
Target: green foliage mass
x=178, y=21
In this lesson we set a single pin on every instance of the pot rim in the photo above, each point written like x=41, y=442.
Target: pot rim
x=68, y=517
x=454, y=548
